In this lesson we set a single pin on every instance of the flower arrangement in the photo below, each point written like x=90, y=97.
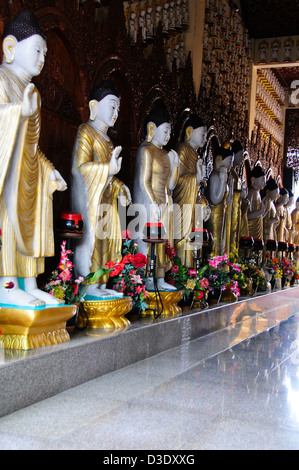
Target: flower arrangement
x=184, y=278
x=288, y=269
x=63, y=286
x=272, y=265
x=124, y=275
x=218, y=272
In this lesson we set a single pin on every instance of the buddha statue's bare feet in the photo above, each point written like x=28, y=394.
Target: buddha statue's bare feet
x=18, y=297
x=45, y=297
x=99, y=290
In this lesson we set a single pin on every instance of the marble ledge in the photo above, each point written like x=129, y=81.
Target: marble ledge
x=27, y=377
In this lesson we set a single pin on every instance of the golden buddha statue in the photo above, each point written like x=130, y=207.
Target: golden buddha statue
x=270, y=220
x=237, y=193
x=28, y=179
x=156, y=176
x=280, y=205
x=194, y=208
x=218, y=191
x=96, y=190
x=295, y=223
x=257, y=181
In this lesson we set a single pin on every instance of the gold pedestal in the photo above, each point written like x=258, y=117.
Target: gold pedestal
x=30, y=328
x=105, y=313
x=169, y=300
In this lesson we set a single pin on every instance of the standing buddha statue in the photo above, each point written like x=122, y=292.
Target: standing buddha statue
x=194, y=209
x=28, y=180
x=281, y=203
x=255, y=214
x=96, y=190
x=156, y=175
x=270, y=220
x=217, y=195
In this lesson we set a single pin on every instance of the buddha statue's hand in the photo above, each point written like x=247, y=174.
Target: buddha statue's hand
x=200, y=171
x=174, y=158
x=57, y=183
x=115, y=162
x=125, y=198
x=155, y=211
x=244, y=191
x=29, y=104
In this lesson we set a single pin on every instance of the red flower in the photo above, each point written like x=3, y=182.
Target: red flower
x=76, y=288
x=139, y=260
x=127, y=259
x=109, y=265
x=117, y=270
x=199, y=294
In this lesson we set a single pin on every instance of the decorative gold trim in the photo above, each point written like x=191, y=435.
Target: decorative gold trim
x=169, y=300
x=25, y=328
x=105, y=313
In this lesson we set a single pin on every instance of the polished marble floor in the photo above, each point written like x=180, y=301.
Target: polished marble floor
x=188, y=398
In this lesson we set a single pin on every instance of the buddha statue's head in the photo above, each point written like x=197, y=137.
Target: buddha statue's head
x=238, y=152
x=291, y=198
x=158, y=127
x=257, y=178
x=104, y=104
x=223, y=158
x=283, y=196
x=272, y=189
x=24, y=44
x=195, y=131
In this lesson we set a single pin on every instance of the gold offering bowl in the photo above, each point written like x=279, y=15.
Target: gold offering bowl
x=169, y=300
x=105, y=313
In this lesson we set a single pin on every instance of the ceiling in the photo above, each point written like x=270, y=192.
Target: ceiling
x=270, y=18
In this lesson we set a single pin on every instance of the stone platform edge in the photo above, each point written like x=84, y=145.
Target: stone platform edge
x=27, y=377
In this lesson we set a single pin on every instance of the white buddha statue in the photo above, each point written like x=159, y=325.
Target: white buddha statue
x=256, y=209
x=280, y=204
x=28, y=179
x=96, y=190
x=289, y=223
x=218, y=191
x=156, y=175
x=270, y=219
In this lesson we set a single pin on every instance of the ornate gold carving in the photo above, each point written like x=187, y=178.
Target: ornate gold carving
x=105, y=313
x=25, y=328
x=169, y=300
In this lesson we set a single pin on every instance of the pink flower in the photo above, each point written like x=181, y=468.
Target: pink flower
x=65, y=275
x=204, y=283
x=175, y=268
x=192, y=272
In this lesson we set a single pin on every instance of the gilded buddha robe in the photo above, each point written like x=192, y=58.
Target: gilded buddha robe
x=95, y=196
x=255, y=226
x=153, y=171
x=191, y=201
x=233, y=213
x=26, y=217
